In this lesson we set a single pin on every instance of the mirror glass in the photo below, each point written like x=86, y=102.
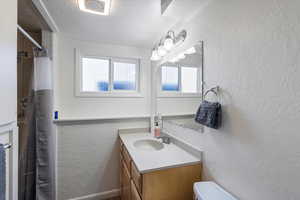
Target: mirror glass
x=177, y=82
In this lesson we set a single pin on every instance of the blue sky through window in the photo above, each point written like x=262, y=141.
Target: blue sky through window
x=95, y=74
x=169, y=77
x=124, y=76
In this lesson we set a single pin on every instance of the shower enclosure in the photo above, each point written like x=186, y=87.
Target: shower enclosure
x=26, y=117
x=36, y=129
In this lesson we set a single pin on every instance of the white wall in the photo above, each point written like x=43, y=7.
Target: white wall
x=70, y=106
x=252, y=51
x=8, y=62
x=88, y=158
x=8, y=89
x=87, y=152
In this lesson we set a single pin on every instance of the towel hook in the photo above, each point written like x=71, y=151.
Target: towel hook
x=214, y=90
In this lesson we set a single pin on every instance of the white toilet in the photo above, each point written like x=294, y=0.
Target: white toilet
x=210, y=191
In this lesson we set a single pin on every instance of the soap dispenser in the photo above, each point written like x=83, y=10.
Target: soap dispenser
x=158, y=126
x=156, y=130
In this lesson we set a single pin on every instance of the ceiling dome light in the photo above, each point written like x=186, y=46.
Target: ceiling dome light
x=168, y=43
x=191, y=50
x=99, y=7
x=155, y=56
x=161, y=51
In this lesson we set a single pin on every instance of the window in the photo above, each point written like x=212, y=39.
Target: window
x=124, y=76
x=106, y=76
x=169, y=78
x=95, y=74
x=189, y=79
x=179, y=80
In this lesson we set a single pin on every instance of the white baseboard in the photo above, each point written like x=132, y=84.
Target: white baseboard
x=98, y=196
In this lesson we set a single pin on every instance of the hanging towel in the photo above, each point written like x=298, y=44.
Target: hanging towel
x=209, y=114
x=2, y=172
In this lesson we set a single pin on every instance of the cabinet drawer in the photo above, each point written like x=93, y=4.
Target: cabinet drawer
x=136, y=177
x=134, y=193
x=126, y=157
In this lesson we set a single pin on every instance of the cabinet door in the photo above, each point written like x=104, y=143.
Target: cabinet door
x=126, y=188
x=136, y=177
x=134, y=193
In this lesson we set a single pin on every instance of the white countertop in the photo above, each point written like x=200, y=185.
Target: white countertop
x=168, y=157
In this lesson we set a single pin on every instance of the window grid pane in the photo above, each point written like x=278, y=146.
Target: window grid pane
x=95, y=74
x=169, y=78
x=189, y=79
x=124, y=76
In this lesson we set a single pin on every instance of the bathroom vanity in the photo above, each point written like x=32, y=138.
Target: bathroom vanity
x=151, y=170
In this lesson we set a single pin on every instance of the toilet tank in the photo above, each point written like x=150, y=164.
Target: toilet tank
x=210, y=191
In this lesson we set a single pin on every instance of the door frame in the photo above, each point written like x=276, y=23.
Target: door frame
x=12, y=129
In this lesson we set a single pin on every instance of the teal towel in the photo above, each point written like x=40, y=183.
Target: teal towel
x=2, y=172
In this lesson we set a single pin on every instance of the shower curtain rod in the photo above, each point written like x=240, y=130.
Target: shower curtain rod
x=29, y=37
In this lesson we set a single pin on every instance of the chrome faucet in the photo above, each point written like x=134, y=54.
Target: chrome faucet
x=165, y=139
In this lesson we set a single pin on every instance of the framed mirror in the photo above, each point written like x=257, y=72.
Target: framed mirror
x=177, y=87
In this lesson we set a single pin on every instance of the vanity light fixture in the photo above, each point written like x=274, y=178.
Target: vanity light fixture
x=191, y=50
x=181, y=56
x=155, y=56
x=174, y=60
x=167, y=43
x=99, y=7
x=169, y=40
x=161, y=51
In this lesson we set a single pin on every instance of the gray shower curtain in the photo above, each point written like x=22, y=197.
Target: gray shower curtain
x=45, y=139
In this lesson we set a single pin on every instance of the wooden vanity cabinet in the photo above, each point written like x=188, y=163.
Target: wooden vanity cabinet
x=125, y=178
x=126, y=183
x=167, y=184
x=134, y=193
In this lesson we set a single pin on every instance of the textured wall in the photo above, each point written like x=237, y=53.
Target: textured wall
x=88, y=157
x=70, y=106
x=252, y=50
x=87, y=153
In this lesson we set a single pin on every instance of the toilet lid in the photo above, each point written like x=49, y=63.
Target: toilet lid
x=211, y=191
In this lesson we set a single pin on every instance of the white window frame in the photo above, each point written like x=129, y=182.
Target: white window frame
x=174, y=94
x=111, y=92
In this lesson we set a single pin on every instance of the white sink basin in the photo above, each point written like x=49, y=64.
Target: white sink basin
x=148, y=145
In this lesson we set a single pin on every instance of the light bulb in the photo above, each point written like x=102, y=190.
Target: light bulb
x=168, y=43
x=174, y=60
x=191, y=50
x=161, y=51
x=155, y=55
x=181, y=56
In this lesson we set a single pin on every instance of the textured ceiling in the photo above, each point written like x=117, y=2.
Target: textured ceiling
x=131, y=22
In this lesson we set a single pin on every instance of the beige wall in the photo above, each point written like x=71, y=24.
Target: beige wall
x=252, y=51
